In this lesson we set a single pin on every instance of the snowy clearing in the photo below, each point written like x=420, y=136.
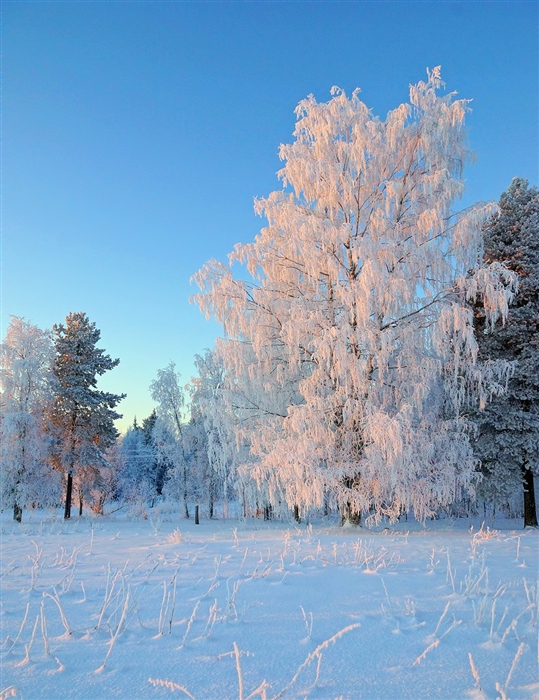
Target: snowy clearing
x=117, y=608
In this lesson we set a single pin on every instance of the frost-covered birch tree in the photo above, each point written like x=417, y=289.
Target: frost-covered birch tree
x=167, y=434
x=25, y=380
x=213, y=409
x=353, y=331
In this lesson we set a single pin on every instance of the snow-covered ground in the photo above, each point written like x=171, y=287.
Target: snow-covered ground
x=117, y=608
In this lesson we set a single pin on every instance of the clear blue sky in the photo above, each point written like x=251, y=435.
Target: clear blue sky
x=136, y=134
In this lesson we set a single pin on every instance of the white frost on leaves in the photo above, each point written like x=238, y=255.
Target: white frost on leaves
x=350, y=354
x=25, y=382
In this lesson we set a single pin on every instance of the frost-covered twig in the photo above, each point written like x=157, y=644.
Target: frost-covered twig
x=170, y=685
x=238, y=670
x=117, y=632
x=533, y=601
x=23, y=623
x=513, y=624
x=475, y=672
x=500, y=690
x=479, y=609
x=519, y=653
x=503, y=618
x=308, y=624
x=173, y=603
x=450, y=575
x=435, y=643
x=472, y=582
x=189, y=624
x=36, y=560
x=261, y=690
x=83, y=599
x=9, y=568
x=31, y=642
x=109, y=589
x=231, y=596
x=442, y=617
x=44, y=629
x=492, y=616
x=163, y=611
x=28, y=646
x=60, y=609
x=314, y=654
x=212, y=616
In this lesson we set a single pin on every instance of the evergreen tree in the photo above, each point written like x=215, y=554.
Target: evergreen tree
x=138, y=478
x=82, y=416
x=508, y=429
x=159, y=467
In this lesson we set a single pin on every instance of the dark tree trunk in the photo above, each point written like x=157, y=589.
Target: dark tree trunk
x=69, y=492
x=268, y=512
x=211, y=493
x=530, y=511
x=196, y=516
x=17, y=512
x=350, y=515
x=296, y=514
x=80, y=504
x=185, y=492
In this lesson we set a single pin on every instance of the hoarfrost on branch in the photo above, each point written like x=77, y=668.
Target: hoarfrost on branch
x=350, y=353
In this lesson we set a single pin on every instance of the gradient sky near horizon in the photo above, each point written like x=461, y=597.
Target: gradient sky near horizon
x=136, y=134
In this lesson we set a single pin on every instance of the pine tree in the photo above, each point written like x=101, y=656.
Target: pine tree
x=508, y=437
x=82, y=416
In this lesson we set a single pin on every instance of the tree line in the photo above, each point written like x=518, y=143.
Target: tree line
x=380, y=357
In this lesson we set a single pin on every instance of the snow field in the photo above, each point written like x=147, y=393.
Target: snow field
x=116, y=608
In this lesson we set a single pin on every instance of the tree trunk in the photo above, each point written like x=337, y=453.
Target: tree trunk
x=17, y=512
x=69, y=491
x=196, y=516
x=211, y=493
x=80, y=504
x=185, y=491
x=350, y=515
x=530, y=512
x=296, y=514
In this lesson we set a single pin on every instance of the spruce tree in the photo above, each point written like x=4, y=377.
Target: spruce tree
x=508, y=430
x=82, y=416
